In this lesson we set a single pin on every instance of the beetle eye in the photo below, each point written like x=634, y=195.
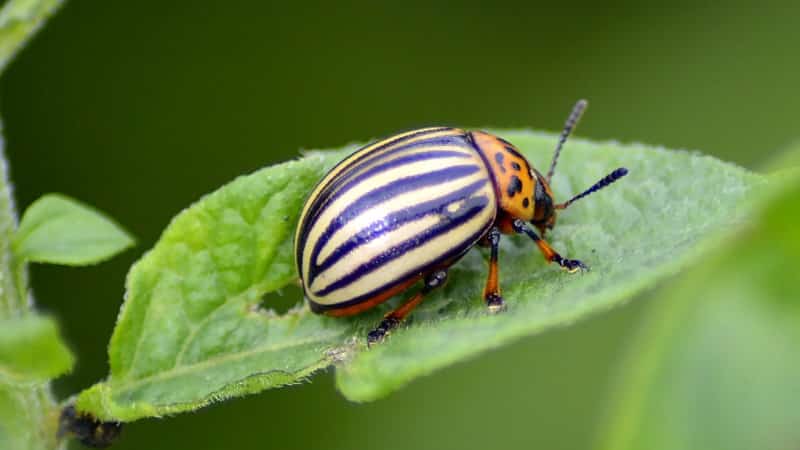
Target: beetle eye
x=544, y=204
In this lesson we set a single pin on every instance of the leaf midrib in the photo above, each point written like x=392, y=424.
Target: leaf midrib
x=124, y=387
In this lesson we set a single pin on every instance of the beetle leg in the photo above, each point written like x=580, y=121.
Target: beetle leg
x=391, y=320
x=570, y=265
x=491, y=293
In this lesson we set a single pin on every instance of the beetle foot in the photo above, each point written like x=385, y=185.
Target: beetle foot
x=495, y=303
x=383, y=330
x=571, y=265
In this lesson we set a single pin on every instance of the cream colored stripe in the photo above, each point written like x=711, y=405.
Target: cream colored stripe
x=400, y=267
x=466, y=151
x=378, y=181
x=398, y=203
x=345, y=163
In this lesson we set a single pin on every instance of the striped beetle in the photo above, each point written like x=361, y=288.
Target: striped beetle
x=409, y=206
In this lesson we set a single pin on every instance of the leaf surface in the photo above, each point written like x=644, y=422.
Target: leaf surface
x=191, y=330
x=56, y=229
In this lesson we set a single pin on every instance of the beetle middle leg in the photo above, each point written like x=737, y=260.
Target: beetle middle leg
x=491, y=292
x=570, y=265
x=390, y=321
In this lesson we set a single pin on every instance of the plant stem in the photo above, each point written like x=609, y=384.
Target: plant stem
x=19, y=20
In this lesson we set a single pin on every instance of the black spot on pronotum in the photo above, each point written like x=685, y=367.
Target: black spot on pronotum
x=514, y=186
x=526, y=202
x=516, y=166
x=500, y=159
x=87, y=429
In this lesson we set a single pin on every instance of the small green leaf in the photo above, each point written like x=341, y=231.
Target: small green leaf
x=715, y=365
x=59, y=230
x=31, y=351
x=191, y=330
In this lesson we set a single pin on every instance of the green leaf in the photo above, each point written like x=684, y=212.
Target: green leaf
x=31, y=351
x=59, y=230
x=715, y=365
x=191, y=332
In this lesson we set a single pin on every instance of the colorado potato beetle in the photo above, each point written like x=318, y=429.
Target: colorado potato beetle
x=407, y=207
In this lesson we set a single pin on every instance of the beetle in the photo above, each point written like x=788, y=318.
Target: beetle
x=407, y=207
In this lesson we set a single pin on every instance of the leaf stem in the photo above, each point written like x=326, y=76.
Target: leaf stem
x=11, y=275
x=19, y=20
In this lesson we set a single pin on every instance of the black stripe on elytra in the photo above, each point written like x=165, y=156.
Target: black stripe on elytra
x=474, y=207
x=347, y=181
x=323, y=197
x=514, y=186
x=388, y=192
x=457, y=250
x=394, y=145
x=383, y=144
x=392, y=222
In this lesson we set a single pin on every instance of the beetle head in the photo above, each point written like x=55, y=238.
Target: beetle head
x=544, y=213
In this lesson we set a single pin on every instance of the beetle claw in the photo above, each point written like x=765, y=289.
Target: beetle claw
x=383, y=330
x=495, y=303
x=574, y=265
x=375, y=336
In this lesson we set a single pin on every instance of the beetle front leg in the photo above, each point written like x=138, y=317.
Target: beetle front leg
x=393, y=319
x=491, y=292
x=570, y=265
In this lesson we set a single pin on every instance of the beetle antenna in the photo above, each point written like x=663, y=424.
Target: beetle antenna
x=572, y=121
x=605, y=181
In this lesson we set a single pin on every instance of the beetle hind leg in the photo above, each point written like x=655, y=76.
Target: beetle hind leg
x=491, y=292
x=392, y=320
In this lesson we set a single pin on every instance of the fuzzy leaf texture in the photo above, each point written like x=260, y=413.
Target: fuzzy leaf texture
x=59, y=230
x=192, y=329
x=715, y=365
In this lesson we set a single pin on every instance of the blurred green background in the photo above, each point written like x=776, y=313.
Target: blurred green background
x=140, y=107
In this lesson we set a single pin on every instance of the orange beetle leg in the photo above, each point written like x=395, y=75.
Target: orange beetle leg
x=570, y=265
x=491, y=292
x=391, y=320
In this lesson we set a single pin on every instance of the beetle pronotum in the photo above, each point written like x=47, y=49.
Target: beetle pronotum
x=407, y=207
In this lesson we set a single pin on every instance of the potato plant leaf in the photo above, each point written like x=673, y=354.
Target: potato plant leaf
x=193, y=329
x=56, y=229
x=715, y=364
